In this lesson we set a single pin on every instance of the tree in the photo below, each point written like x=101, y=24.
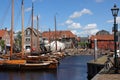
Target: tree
x=17, y=44
x=83, y=44
x=2, y=44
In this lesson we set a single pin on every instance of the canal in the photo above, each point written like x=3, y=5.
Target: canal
x=70, y=68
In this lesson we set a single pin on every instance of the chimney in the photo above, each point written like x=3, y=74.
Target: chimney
x=5, y=29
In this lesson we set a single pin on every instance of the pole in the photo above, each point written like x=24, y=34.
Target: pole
x=32, y=30
x=38, y=41
x=22, y=28
x=55, y=34
x=95, y=50
x=115, y=46
x=49, y=39
x=12, y=26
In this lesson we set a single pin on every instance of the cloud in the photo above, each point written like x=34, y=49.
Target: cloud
x=90, y=29
x=37, y=0
x=33, y=0
x=72, y=25
x=69, y=21
x=99, y=1
x=77, y=14
x=77, y=28
x=85, y=33
x=75, y=32
x=28, y=9
x=90, y=26
x=117, y=20
x=93, y=31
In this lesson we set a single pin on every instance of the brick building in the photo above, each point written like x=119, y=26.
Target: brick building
x=4, y=35
x=104, y=40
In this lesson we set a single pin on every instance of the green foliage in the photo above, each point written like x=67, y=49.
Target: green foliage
x=2, y=44
x=83, y=44
x=19, y=35
x=18, y=39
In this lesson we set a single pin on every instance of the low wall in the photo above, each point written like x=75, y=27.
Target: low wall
x=94, y=67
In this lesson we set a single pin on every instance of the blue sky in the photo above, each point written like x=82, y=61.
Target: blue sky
x=82, y=17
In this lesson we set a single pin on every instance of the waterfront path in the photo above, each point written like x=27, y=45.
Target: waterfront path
x=107, y=76
x=100, y=61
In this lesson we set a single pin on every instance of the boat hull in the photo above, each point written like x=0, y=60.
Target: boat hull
x=28, y=66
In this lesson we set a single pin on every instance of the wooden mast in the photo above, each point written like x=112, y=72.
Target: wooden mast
x=12, y=26
x=55, y=34
x=49, y=39
x=32, y=30
x=49, y=35
x=22, y=27
x=38, y=43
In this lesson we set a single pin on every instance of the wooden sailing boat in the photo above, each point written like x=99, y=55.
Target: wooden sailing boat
x=36, y=60
x=32, y=24
x=22, y=64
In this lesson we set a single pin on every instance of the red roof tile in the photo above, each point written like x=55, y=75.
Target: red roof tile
x=102, y=37
x=59, y=34
x=2, y=33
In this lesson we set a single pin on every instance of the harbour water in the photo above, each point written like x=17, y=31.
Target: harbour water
x=70, y=68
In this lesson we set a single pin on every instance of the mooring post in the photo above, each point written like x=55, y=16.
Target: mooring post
x=95, y=50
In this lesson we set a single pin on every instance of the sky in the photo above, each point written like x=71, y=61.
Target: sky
x=82, y=17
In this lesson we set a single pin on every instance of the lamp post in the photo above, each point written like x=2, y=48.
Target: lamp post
x=115, y=29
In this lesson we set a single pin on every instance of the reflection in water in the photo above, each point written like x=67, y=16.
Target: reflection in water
x=70, y=68
x=74, y=68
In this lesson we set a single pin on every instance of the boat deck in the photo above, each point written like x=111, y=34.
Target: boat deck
x=12, y=62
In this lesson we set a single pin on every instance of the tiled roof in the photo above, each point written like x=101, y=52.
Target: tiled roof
x=102, y=37
x=59, y=34
x=34, y=30
x=2, y=33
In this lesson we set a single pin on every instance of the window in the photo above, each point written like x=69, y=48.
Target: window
x=64, y=36
x=27, y=47
x=28, y=32
x=27, y=39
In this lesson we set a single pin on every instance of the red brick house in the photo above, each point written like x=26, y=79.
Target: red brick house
x=4, y=35
x=103, y=41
